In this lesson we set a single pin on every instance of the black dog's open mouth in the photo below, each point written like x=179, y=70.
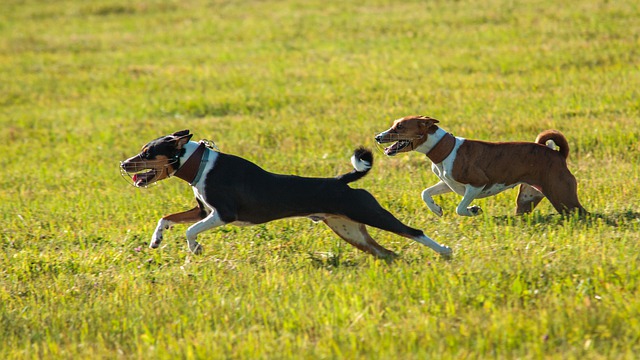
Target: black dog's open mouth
x=396, y=147
x=142, y=179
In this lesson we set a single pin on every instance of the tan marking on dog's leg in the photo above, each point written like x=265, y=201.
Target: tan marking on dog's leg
x=188, y=216
x=356, y=234
x=528, y=198
x=166, y=222
x=470, y=193
x=437, y=189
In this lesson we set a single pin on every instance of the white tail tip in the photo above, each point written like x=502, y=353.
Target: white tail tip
x=359, y=164
x=552, y=145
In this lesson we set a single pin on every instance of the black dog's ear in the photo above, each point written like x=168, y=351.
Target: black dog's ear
x=180, y=133
x=182, y=139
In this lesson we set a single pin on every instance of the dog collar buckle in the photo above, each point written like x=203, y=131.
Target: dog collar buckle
x=210, y=144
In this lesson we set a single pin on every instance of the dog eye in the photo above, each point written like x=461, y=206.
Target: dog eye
x=400, y=126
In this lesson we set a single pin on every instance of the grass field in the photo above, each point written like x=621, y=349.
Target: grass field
x=294, y=86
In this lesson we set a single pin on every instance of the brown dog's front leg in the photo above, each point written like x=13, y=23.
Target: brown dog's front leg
x=186, y=217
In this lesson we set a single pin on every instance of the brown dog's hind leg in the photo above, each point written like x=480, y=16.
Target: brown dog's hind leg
x=356, y=234
x=528, y=198
x=563, y=195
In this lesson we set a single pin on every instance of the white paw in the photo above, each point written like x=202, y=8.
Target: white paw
x=156, y=239
x=474, y=210
x=435, y=208
x=446, y=252
x=195, y=248
x=470, y=211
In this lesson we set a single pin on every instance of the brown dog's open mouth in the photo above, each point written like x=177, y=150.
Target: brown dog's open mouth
x=396, y=147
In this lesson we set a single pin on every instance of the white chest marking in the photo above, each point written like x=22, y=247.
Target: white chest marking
x=444, y=171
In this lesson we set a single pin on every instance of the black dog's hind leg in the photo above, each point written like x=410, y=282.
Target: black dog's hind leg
x=356, y=234
x=362, y=207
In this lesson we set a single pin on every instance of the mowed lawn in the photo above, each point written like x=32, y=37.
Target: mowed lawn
x=295, y=86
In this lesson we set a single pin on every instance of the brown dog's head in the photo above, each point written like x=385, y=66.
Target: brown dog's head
x=157, y=160
x=407, y=133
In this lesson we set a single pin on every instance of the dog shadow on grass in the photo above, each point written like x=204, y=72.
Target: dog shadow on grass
x=329, y=260
x=616, y=219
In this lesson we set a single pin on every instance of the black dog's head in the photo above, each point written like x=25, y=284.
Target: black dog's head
x=157, y=160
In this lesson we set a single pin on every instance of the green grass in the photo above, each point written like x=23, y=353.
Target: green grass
x=295, y=86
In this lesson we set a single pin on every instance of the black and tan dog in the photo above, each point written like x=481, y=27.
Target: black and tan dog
x=232, y=190
x=477, y=169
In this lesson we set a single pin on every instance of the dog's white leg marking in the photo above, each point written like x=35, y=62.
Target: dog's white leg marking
x=443, y=250
x=211, y=221
x=156, y=238
x=470, y=193
x=437, y=189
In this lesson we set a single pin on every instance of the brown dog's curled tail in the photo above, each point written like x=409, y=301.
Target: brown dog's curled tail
x=558, y=141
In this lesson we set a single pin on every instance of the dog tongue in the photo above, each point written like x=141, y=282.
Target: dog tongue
x=134, y=178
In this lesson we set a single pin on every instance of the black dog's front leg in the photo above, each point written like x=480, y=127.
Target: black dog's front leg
x=187, y=217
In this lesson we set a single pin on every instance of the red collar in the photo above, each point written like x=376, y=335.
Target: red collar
x=443, y=148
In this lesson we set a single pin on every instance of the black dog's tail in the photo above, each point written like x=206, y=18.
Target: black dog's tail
x=362, y=161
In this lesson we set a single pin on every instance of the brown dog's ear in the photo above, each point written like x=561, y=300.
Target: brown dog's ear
x=427, y=122
x=422, y=117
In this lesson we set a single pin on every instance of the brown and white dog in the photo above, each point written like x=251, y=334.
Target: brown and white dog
x=477, y=169
x=232, y=190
